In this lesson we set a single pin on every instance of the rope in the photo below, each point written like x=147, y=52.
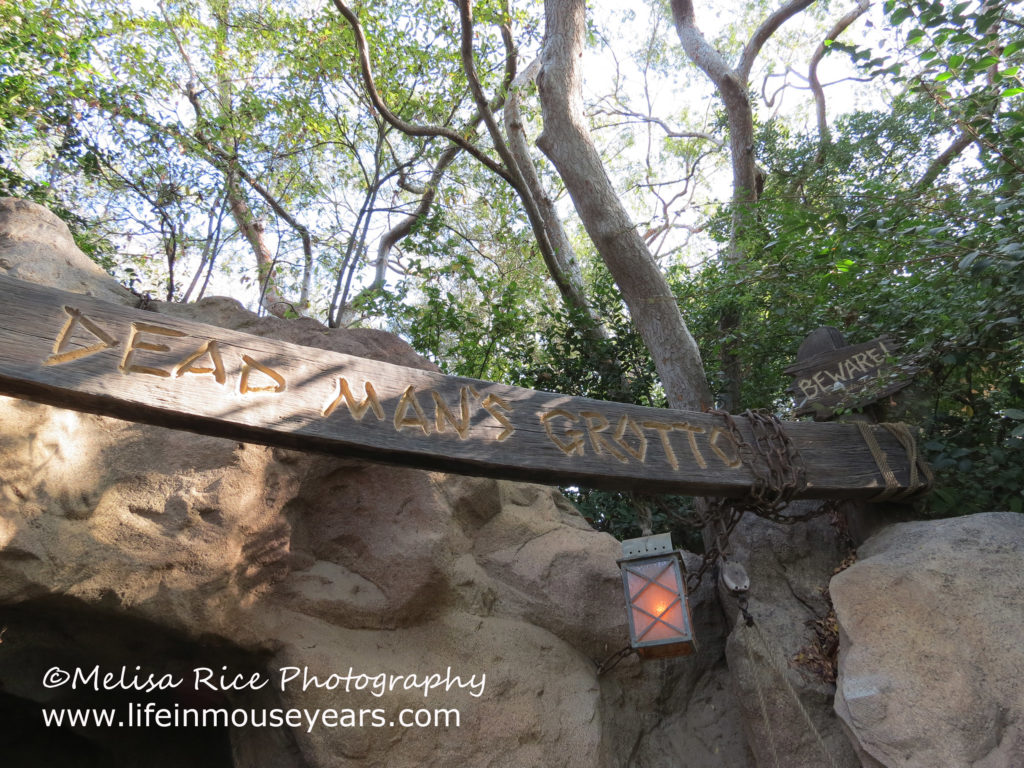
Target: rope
x=905, y=438
x=762, y=704
x=773, y=660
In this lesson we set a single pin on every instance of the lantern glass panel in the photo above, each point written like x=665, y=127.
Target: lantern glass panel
x=655, y=601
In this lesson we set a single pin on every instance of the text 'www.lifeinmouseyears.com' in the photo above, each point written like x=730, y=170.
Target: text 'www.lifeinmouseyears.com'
x=288, y=680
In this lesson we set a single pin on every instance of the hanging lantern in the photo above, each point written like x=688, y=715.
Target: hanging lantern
x=660, y=625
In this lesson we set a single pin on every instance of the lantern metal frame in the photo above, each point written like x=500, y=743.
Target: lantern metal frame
x=637, y=557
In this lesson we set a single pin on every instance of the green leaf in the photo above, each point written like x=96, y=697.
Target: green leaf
x=969, y=259
x=1014, y=413
x=901, y=15
x=1012, y=92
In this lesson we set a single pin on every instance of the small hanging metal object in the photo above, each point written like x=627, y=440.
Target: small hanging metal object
x=734, y=577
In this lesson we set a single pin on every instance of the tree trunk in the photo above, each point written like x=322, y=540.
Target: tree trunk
x=566, y=141
x=732, y=86
x=247, y=223
x=252, y=229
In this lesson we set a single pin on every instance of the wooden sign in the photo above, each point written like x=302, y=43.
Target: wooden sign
x=76, y=352
x=829, y=373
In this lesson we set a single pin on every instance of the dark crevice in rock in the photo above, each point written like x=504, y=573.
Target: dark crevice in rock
x=62, y=633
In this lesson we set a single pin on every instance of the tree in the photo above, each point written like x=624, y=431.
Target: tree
x=404, y=190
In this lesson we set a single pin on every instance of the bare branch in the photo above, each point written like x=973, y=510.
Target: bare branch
x=409, y=129
x=671, y=132
x=761, y=35
x=563, y=255
x=479, y=98
x=824, y=136
x=943, y=160
x=404, y=227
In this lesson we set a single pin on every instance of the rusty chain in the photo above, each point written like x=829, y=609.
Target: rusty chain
x=720, y=511
x=779, y=474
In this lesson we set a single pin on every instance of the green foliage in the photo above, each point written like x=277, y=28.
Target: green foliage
x=966, y=59
x=618, y=514
x=854, y=244
x=569, y=358
x=470, y=316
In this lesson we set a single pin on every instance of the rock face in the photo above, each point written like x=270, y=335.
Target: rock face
x=786, y=709
x=930, y=667
x=132, y=547
x=36, y=246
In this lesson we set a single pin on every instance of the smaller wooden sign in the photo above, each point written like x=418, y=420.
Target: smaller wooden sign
x=836, y=375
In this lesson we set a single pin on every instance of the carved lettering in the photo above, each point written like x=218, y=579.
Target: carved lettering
x=402, y=417
x=135, y=343
x=639, y=451
x=732, y=461
x=106, y=341
x=248, y=366
x=851, y=373
x=692, y=432
x=443, y=414
x=357, y=410
x=596, y=424
x=188, y=365
x=808, y=387
x=491, y=404
x=574, y=445
x=663, y=429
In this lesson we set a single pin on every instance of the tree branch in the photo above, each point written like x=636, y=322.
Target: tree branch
x=307, y=242
x=761, y=35
x=564, y=259
x=943, y=160
x=409, y=129
x=700, y=51
x=824, y=135
x=404, y=227
x=671, y=132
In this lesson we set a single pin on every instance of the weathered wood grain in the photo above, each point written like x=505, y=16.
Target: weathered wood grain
x=76, y=352
x=849, y=376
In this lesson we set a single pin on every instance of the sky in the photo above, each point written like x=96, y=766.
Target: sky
x=679, y=95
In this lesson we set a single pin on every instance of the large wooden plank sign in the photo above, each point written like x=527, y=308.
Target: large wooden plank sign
x=77, y=352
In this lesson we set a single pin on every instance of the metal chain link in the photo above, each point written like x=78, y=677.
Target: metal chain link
x=731, y=515
x=779, y=474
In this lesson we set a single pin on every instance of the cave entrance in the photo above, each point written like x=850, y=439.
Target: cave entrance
x=116, y=725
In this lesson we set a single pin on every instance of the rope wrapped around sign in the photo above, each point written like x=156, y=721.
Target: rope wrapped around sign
x=779, y=474
x=920, y=475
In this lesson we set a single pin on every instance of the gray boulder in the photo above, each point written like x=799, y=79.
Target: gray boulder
x=931, y=664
